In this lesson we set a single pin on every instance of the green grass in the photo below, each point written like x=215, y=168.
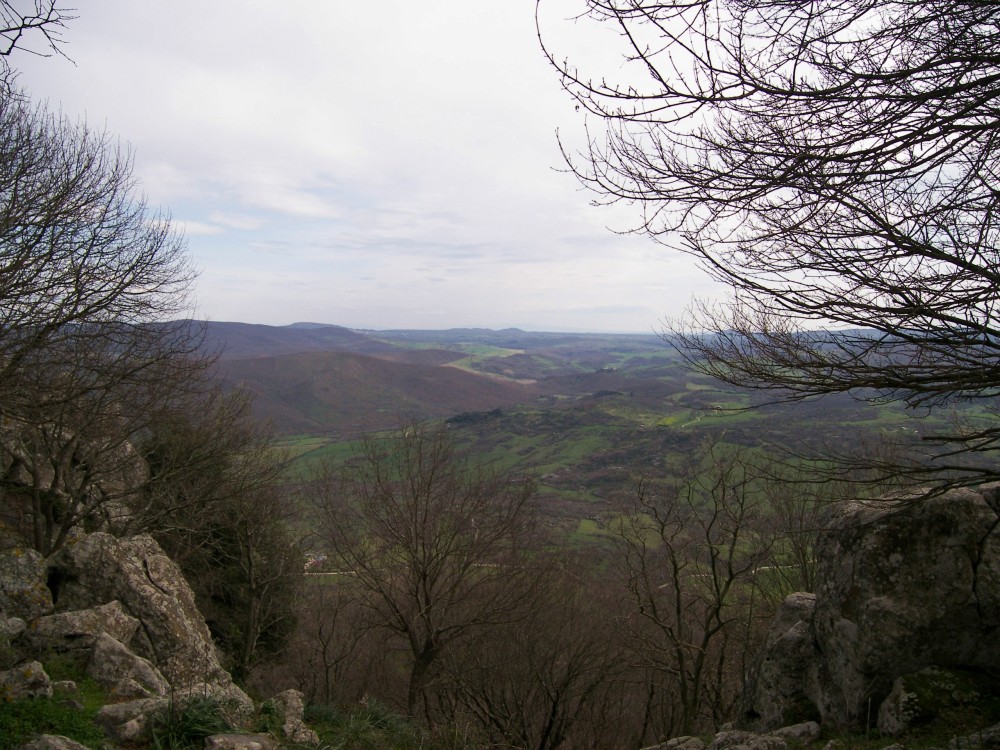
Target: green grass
x=588, y=532
x=185, y=726
x=371, y=727
x=322, y=451
x=22, y=720
x=296, y=446
x=478, y=353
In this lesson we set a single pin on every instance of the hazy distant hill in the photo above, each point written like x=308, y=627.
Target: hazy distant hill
x=567, y=344
x=311, y=377
x=347, y=393
x=243, y=340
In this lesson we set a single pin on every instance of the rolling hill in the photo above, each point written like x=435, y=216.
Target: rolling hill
x=245, y=340
x=316, y=378
x=343, y=393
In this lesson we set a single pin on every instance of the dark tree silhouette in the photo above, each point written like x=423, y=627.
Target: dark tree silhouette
x=691, y=551
x=436, y=545
x=837, y=165
x=89, y=278
x=33, y=26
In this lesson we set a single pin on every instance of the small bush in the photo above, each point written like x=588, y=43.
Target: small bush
x=8, y=656
x=268, y=721
x=22, y=720
x=184, y=726
x=372, y=727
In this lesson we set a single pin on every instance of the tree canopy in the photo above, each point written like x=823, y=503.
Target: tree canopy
x=836, y=165
x=437, y=545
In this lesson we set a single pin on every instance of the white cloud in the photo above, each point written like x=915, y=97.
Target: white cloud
x=196, y=228
x=236, y=221
x=374, y=165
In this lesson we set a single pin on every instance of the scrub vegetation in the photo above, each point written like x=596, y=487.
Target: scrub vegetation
x=524, y=540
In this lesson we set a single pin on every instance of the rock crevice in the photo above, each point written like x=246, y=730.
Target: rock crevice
x=903, y=584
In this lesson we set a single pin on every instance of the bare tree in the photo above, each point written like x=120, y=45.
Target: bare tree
x=544, y=681
x=836, y=164
x=334, y=651
x=32, y=26
x=88, y=278
x=212, y=497
x=436, y=543
x=85, y=267
x=691, y=553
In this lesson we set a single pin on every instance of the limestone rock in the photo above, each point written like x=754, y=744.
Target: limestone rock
x=288, y=707
x=11, y=627
x=99, y=569
x=776, y=693
x=240, y=742
x=53, y=742
x=903, y=583
x=126, y=675
x=680, y=743
x=25, y=681
x=235, y=705
x=685, y=743
x=80, y=628
x=23, y=590
x=734, y=739
x=918, y=698
x=130, y=721
x=127, y=722
x=903, y=586
x=986, y=739
x=803, y=734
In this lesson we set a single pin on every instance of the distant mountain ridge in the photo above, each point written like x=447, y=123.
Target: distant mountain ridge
x=314, y=377
x=241, y=340
x=348, y=393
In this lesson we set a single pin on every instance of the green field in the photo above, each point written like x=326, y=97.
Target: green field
x=602, y=414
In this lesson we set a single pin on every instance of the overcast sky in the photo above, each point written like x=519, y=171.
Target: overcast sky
x=386, y=164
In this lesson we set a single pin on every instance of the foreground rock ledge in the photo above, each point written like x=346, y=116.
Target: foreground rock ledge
x=903, y=584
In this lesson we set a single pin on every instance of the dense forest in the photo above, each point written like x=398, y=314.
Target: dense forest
x=510, y=539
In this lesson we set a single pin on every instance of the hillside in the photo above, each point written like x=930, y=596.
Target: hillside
x=244, y=340
x=311, y=378
x=341, y=393
x=315, y=378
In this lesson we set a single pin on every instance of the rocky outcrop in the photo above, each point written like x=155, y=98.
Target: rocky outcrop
x=11, y=627
x=686, y=742
x=129, y=722
x=125, y=675
x=124, y=611
x=80, y=628
x=984, y=739
x=23, y=592
x=27, y=680
x=781, y=689
x=240, y=742
x=902, y=584
x=100, y=568
x=798, y=735
x=288, y=708
x=53, y=742
x=919, y=698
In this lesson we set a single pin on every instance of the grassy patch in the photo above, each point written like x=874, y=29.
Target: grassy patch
x=322, y=451
x=589, y=531
x=22, y=720
x=476, y=354
x=185, y=726
x=371, y=727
